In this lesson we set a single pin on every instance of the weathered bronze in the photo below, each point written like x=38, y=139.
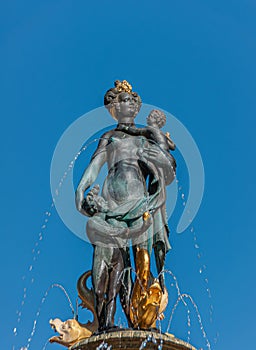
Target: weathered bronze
x=87, y=296
x=130, y=211
x=140, y=166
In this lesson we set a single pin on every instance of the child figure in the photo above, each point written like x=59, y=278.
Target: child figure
x=156, y=120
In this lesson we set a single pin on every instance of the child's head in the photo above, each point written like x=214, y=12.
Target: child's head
x=156, y=118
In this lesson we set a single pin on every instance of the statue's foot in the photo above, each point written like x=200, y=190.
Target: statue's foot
x=105, y=329
x=111, y=328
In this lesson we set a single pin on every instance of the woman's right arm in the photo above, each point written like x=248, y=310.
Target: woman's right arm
x=90, y=174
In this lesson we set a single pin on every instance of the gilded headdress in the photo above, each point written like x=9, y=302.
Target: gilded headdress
x=111, y=96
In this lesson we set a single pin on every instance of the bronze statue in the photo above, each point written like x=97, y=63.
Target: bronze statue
x=139, y=167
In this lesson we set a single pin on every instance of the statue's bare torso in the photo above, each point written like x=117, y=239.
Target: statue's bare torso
x=125, y=181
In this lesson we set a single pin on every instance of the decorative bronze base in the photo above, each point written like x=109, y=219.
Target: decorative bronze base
x=132, y=339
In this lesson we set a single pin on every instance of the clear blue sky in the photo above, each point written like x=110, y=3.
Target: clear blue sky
x=195, y=59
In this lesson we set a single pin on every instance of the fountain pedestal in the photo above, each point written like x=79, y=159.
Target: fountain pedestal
x=132, y=339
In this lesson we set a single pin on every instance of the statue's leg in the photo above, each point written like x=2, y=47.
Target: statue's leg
x=100, y=283
x=160, y=253
x=114, y=287
x=161, y=241
x=144, y=243
x=126, y=283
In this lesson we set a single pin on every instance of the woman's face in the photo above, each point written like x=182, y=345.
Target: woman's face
x=127, y=107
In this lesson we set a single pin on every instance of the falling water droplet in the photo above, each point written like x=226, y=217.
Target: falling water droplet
x=154, y=341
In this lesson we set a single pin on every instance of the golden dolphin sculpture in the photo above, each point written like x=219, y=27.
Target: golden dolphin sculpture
x=72, y=331
x=148, y=302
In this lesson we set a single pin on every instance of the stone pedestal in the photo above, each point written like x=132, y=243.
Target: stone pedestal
x=131, y=340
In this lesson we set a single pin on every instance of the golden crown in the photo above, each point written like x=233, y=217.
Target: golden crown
x=123, y=86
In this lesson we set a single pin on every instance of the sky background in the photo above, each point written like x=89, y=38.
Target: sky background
x=195, y=59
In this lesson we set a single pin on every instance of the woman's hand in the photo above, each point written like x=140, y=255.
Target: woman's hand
x=153, y=154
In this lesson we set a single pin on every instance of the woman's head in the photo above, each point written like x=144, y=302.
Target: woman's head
x=122, y=103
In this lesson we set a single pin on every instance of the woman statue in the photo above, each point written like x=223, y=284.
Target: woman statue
x=138, y=171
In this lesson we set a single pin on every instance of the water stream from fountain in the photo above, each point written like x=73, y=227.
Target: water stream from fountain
x=29, y=277
x=202, y=269
x=54, y=285
x=187, y=296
